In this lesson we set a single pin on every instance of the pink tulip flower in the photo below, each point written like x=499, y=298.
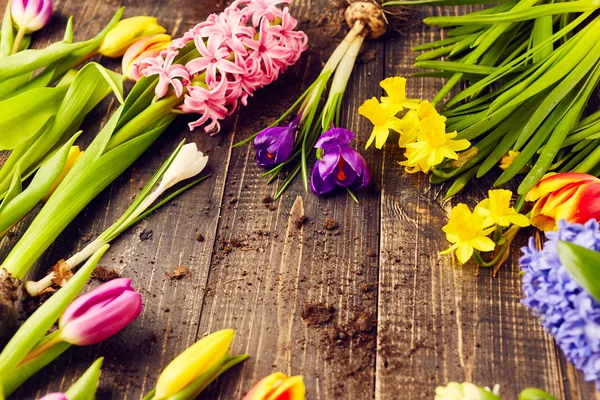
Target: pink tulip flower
x=101, y=313
x=30, y=15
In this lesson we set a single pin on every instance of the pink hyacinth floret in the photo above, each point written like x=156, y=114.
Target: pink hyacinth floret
x=240, y=50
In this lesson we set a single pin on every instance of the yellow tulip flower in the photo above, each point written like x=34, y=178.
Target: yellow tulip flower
x=74, y=154
x=127, y=32
x=496, y=209
x=193, y=362
x=467, y=231
x=278, y=386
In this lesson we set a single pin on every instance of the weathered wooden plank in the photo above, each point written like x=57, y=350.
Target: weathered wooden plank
x=134, y=358
x=438, y=321
x=301, y=304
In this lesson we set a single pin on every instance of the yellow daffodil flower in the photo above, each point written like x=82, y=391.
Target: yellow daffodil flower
x=468, y=232
x=508, y=159
x=278, y=386
x=396, y=101
x=193, y=362
x=435, y=145
x=381, y=120
x=465, y=391
x=411, y=123
x=496, y=209
x=425, y=110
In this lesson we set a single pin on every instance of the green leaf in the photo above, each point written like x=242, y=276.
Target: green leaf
x=13, y=191
x=24, y=115
x=583, y=265
x=15, y=378
x=85, y=387
x=7, y=33
x=535, y=394
x=71, y=197
x=36, y=326
x=29, y=60
x=12, y=210
x=9, y=86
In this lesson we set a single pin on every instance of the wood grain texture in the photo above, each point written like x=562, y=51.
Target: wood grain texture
x=365, y=309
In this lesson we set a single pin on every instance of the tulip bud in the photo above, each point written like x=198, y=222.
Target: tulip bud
x=149, y=46
x=30, y=15
x=193, y=362
x=72, y=157
x=572, y=196
x=54, y=396
x=101, y=313
x=278, y=386
x=127, y=32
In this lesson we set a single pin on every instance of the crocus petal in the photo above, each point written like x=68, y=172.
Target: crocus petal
x=334, y=137
x=553, y=182
x=188, y=162
x=328, y=164
x=320, y=184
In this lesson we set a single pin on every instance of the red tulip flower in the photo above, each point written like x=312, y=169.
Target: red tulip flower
x=572, y=196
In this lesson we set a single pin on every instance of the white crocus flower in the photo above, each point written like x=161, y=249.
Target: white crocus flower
x=188, y=162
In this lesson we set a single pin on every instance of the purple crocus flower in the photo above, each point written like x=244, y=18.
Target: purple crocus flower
x=101, y=313
x=275, y=145
x=30, y=15
x=54, y=396
x=341, y=165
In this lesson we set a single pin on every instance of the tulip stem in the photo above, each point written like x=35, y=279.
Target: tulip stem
x=45, y=344
x=18, y=40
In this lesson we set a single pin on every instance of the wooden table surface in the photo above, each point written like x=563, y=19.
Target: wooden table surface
x=365, y=310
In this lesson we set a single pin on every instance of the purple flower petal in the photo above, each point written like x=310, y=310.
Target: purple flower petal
x=319, y=185
x=333, y=138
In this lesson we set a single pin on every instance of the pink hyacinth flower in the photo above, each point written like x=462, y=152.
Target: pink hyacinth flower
x=214, y=58
x=267, y=50
x=99, y=314
x=288, y=37
x=230, y=28
x=257, y=9
x=209, y=103
x=168, y=74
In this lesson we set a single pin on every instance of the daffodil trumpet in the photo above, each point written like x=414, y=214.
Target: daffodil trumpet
x=193, y=370
x=184, y=163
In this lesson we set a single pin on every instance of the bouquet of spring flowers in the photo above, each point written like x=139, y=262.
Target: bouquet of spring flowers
x=213, y=67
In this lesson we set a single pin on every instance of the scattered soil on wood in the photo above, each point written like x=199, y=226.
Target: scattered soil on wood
x=317, y=314
x=330, y=224
x=179, y=273
x=300, y=221
x=146, y=234
x=105, y=274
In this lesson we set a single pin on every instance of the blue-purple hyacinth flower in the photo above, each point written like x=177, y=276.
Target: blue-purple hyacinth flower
x=340, y=165
x=565, y=309
x=275, y=145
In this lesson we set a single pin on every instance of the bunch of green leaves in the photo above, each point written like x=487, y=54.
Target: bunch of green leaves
x=533, y=69
x=40, y=126
x=15, y=366
x=133, y=127
x=50, y=63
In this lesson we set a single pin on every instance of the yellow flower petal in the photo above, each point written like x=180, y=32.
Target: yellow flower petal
x=464, y=252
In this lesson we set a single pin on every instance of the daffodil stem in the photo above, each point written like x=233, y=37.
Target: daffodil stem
x=18, y=39
x=479, y=260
